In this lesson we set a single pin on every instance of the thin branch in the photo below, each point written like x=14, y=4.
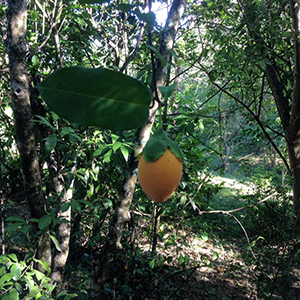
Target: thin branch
x=246, y=234
x=135, y=51
x=258, y=121
x=261, y=97
x=229, y=212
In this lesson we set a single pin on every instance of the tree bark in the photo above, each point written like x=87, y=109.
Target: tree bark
x=293, y=132
x=122, y=211
x=17, y=27
x=64, y=194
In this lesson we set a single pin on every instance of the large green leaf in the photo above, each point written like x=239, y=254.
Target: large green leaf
x=97, y=97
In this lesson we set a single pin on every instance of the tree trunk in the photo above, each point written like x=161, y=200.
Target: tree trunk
x=64, y=194
x=293, y=132
x=122, y=211
x=17, y=24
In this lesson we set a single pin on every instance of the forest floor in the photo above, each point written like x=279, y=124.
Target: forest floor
x=222, y=260
x=217, y=266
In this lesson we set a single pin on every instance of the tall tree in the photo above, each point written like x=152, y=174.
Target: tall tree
x=20, y=94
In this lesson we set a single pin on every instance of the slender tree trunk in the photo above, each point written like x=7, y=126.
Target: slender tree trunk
x=155, y=229
x=17, y=25
x=63, y=232
x=293, y=132
x=122, y=211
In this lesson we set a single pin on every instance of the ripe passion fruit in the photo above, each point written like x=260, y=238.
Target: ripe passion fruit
x=160, y=178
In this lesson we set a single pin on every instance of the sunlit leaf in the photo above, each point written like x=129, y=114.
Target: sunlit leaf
x=116, y=146
x=204, y=236
x=16, y=269
x=56, y=242
x=13, y=257
x=11, y=295
x=107, y=156
x=151, y=263
x=5, y=278
x=125, y=152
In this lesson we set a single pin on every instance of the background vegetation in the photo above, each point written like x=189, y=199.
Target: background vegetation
x=230, y=231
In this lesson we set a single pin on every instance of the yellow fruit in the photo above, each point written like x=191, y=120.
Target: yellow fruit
x=159, y=179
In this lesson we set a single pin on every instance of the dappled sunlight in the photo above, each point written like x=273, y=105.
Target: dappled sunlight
x=236, y=186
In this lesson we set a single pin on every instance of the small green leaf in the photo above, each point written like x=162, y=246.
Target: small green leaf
x=2, y=270
x=125, y=153
x=39, y=275
x=116, y=146
x=29, y=282
x=19, y=287
x=13, y=257
x=42, y=120
x=12, y=295
x=126, y=7
x=100, y=150
x=87, y=203
x=204, y=236
x=181, y=259
x=201, y=125
x=107, y=203
x=157, y=145
x=50, y=143
x=44, y=265
x=65, y=207
x=167, y=91
x=35, y=60
x=107, y=156
x=183, y=200
x=44, y=222
x=67, y=295
x=16, y=269
x=15, y=219
x=56, y=242
x=114, y=138
x=215, y=255
x=34, y=220
x=25, y=229
x=152, y=263
x=66, y=130
x=14, y=227
x=149, y=17
x=161, y=58
x=90, y=192
x=7, y=277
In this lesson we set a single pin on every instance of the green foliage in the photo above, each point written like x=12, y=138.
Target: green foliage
x=211, y=112
x=19, y=279
x=157, y=145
